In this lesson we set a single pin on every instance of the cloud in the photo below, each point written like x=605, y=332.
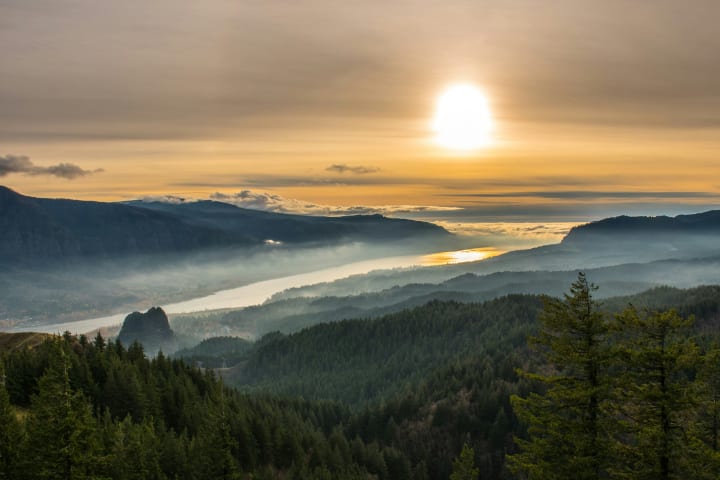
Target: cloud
x=511, y=235
x=358, y=169
x=14, y=164
x=588, y=194
x=275, y=203
x=172, y=199
x=271, y=181
x=22, y=164
x=545, y=231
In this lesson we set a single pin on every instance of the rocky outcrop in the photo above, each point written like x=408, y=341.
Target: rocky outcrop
x=151, y=329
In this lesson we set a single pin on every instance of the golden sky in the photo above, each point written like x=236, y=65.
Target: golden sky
x=598, y=107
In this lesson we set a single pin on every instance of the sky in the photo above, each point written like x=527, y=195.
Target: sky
x=325, y=107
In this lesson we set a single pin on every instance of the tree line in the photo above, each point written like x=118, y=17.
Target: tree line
x=78, y=409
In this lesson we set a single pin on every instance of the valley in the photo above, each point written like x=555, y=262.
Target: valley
x=322, y=240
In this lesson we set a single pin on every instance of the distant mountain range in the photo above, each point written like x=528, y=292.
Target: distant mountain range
x=40, y=230
x=639, y=227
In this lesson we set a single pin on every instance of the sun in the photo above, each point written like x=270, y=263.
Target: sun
x=462, y=118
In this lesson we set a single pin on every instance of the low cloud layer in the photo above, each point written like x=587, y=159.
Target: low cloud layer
x=356, y=169
x=511, y=235
x=275, y=203
x=22, y=164
x=545, y=231
x=589, y=194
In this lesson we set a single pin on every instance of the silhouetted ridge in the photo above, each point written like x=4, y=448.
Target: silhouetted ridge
x=699, y=223
x=41, y=230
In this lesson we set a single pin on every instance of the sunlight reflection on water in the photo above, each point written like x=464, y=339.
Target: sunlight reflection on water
x=460, y=256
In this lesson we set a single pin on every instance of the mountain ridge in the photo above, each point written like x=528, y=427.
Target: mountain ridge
x=695, y=223
x=40, y=230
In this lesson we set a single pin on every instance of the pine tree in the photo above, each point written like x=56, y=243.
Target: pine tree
x=566, y=422
x=61, y=431
x=709, y=419
x=10, y=435
x=135, y=453
x=705, y=432
x=213, y=455
x=656, y=398
x=464, y=465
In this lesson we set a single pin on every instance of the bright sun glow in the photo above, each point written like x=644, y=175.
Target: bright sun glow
x=460, y=256
x=462, y=118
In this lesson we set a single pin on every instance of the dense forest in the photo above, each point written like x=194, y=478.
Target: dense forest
x=74, y=409
x=446, y=390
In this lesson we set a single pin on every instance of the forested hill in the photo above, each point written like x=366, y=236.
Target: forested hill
x=668, y=228
x=358, y=361
x=96, y=410
x=292, y=228
x=38, y=230
x=427, y=379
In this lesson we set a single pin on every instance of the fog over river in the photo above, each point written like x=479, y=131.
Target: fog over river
x=258, y=292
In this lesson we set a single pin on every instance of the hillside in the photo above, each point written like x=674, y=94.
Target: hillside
x=98, y=410
x=286, y=228
x=415, y=386
x=36, y=231
x=304, y=307
x=18, y=341
x=362, y=360
x=424, y=380
x=44, y=230
x=216, y=352
x=698, y=223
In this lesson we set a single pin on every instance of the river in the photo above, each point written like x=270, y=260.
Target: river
x=258, y=292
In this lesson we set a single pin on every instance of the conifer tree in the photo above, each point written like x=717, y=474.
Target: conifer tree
x=707, y=427
x=656, y=398
x=135, y=452
x=213, y=455
x=464, y=465
x=566, y=421
x=10, y=435
x=61, y=431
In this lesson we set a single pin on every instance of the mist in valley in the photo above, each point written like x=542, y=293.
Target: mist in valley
x=619, y=266
x=252, y=291
x=33, y=296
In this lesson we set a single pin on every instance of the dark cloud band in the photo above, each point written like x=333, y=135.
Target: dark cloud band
x=22, y=164
x=357, y=169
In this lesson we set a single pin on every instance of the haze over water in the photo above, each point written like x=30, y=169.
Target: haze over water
x=258, y=292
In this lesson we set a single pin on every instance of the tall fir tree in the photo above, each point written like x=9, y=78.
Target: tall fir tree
x=135, y=451
x=566, y=421
x=464, y=465
x=707, y=427
x=656, y=399
x=61, y=431
x=214, y=449
x=11, y=435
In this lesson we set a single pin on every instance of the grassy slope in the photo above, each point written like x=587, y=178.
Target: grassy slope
x=15, y=341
